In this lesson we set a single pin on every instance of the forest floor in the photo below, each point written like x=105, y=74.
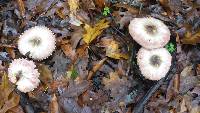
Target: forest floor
x=94, y=66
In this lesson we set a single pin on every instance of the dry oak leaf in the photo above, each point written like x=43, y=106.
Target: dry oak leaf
x=93, y=32
x=191, y=38
x=112, y=51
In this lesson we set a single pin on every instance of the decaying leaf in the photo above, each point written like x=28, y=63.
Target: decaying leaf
x=93, y=32
x=191, y=38
x=116, y=84
x=5, y=89
x=21, y=7
x=8, y=99
x=12, y=102
x=75, y=89
x=45, y=74
x=54, y=107
x=112, y=51
x=95, y=68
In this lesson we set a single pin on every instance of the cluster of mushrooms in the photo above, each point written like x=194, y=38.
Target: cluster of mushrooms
x=37, y=43
x=152, y=34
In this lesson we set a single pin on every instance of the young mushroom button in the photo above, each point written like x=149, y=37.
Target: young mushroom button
x=149, y=32
x=154, y=64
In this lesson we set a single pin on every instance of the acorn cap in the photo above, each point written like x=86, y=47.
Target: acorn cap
x=149, y=32
x=154, y=64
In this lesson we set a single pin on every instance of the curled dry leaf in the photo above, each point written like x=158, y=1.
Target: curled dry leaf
x=92, y=32
x=191, y=38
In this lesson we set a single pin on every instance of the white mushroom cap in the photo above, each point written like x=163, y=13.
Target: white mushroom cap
x=22, y=72
x=38, y=42
x=154, y=64
x=149, y=32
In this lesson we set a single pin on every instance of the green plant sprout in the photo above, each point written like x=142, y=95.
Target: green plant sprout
x=106, y=11
x=73, y=74
x=170, y=47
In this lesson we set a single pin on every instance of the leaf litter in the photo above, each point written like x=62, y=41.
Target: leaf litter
x=94, y=69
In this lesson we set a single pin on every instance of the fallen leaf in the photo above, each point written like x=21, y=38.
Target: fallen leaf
x=75, y=89
x=67, y=49
x=95, y=68
x=12, y=102
x=45, y=73
x=112, y=51
x=93, y=32
x=21, y=7
x=100, y=3
x=5, y=89
x=16, y=109
x=73, y=6
x=117, y=85
x=54, y=107
x=130, y=9
x=191, y=38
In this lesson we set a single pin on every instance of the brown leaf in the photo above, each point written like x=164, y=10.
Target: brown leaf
x=45, y=73
x=12, y=102
x=11, y=52
x=5, y=89
x=130, y=9
x=16, y=109
x=100, y=3
x=95, y=68
x=191, y=38
x=54, y=107
x=75, y=90
x=21, y=7
x=67, y=49
x=166, y=7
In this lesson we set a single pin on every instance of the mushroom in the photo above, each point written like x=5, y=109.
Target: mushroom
x=22, y=72
x=37, y=42
x=154, y=64
x=149, y=32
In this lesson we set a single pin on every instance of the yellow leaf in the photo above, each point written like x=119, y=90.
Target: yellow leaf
x=93, y=32
x=112, y=51
x=73, y=6
x=191, y=39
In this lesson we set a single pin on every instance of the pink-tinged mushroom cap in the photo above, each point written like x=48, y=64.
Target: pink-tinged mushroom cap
x=149, y=32
x=37, y=42
x=154, y=64
x=24, y=74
